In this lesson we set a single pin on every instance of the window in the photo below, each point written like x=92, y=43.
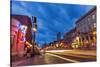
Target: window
x=93, y=16
x=78, y=25
x=86, y=37
x=83, y=39
x=91, y=37
x=94, y=25
x=88, y=19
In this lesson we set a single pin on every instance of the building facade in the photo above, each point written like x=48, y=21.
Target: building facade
x=20, y=34
x=70, y=36
x=84, y=34
x=86, y=28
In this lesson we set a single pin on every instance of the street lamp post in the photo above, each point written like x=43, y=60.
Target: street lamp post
x=34, y=29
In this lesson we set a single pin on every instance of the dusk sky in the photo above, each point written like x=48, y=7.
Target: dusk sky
x=51, y=17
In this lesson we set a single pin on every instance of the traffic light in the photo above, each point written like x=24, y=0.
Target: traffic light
x=35, y=25
x=35, y=19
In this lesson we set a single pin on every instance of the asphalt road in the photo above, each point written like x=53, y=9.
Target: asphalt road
x=55, y=58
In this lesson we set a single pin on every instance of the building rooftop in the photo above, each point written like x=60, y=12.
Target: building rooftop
x=72, y=30
x=25, y=20
x=82, y=17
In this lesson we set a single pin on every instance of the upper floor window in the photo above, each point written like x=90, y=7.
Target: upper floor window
x=93, y=16
x=88, y=19
x=78, y=25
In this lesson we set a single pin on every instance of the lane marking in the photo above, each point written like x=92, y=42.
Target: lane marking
x=66, y=59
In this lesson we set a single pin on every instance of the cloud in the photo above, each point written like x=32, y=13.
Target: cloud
x=17, y=9
x=51, y=18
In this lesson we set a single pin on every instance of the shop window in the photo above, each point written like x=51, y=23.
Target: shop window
x=87, y=38
x=91, y=37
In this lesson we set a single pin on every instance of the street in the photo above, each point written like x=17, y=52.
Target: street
x=49, y=33
x=58, y=57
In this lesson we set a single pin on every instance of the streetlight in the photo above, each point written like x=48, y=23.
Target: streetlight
x=34, y=29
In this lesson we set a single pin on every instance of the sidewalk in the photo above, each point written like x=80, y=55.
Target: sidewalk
x=17, y=58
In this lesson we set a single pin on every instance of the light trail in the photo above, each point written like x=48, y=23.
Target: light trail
x=66, y=59
x=57, y=50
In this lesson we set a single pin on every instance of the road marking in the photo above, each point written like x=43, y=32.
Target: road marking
x=66, y=59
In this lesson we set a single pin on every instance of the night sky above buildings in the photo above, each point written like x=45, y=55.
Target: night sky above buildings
x=51, y=17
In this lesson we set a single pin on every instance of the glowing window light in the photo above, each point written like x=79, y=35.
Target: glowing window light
x=24, y=39
x=73, y=46
x=94, y=33
x=57, y=45
x=76, y=46
x=23, y=28
x=94, y=25
x=77, y=38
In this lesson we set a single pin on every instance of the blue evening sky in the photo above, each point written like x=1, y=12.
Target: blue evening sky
x=51, y=17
